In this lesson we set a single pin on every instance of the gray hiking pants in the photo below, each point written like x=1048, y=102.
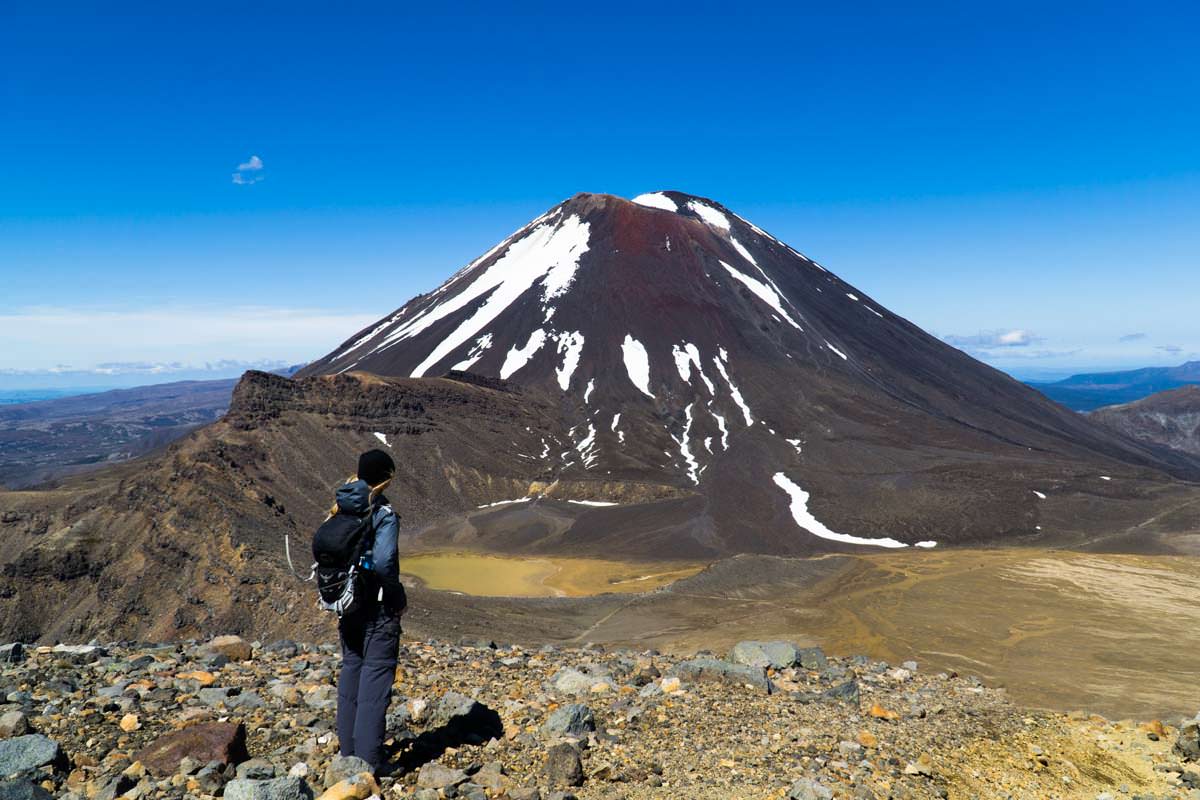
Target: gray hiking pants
x=370, y=645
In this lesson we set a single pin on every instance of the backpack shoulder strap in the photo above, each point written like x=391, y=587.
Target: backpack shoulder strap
x=366, y=539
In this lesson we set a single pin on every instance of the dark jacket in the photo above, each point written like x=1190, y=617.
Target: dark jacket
x=355, y=498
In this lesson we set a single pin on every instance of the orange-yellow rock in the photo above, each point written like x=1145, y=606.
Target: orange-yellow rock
x=200, y=676
x=358, y=787
x=879, y=712
x=867, y=739
x=129, y=723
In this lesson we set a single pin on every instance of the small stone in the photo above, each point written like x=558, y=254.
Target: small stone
x=233, y=648
x=867, y=739
x=922, y=766
x=671, y=685
x=563, y=766
x=130, y=723
x=879, y=712
x=357, y=787
x=256, y=769
x=288, y=788
x=434, y=775
x=849, y=750
x=809, y=789
x=14, y=723
x=573, y=719
x=200, y=676
x=343, y=767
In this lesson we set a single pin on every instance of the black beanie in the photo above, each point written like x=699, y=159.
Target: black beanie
x=375, y=467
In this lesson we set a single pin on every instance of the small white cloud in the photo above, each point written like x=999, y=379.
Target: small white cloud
x=1132, y=337
x=249, y=172
x=1172, y=349
x=987, y=340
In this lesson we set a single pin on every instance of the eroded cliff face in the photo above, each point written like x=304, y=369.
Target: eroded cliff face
x=1171, y=419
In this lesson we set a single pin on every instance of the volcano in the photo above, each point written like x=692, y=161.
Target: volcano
x=683, y=345
x=647, y=381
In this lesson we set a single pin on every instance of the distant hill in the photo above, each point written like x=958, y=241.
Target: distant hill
x=1170, y=418
x=45, y=440
x=1090, y=391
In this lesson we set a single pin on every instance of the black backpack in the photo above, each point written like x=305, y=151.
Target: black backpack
x=338, y=549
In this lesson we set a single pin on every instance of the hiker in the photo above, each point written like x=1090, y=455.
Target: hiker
x=370, y=629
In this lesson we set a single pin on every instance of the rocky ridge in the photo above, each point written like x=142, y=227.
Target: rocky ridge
x=238, y=719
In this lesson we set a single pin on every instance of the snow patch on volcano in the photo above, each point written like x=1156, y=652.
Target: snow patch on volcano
x=477, y=351
x=656, y=200
x=519, y=356
x=685, y=358
x=805, y=519
x=548, y=253
x=586, y=447
x=685, y=449
x=637, y=364
x=743, y=252
x=721, y=426
x=763, y=292
x=733, y=389
x=709, y=214
x=571, y=346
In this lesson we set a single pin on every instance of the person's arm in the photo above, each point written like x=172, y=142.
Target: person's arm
x=386, y=559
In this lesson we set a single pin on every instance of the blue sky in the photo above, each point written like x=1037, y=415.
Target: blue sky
x=1023, y=181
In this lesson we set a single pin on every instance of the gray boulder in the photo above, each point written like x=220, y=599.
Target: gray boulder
x=777, y=655
x=257, y=769
x=847, y=693
x=573, y=681
x=12, y=653
x=573, y=719
x=812, y=658
x=22, y=790
x=27, y=753
x=287, y=788
x=451, y=705
x=343, y=767
x=808, y=789
x=711, y=669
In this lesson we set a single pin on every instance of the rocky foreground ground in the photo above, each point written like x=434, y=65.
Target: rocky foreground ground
x=768, y=720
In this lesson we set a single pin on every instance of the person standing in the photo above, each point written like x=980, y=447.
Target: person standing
x=370, y=632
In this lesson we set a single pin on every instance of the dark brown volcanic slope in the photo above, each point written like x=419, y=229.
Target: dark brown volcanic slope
x=1171, y=419
x=685, y=345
